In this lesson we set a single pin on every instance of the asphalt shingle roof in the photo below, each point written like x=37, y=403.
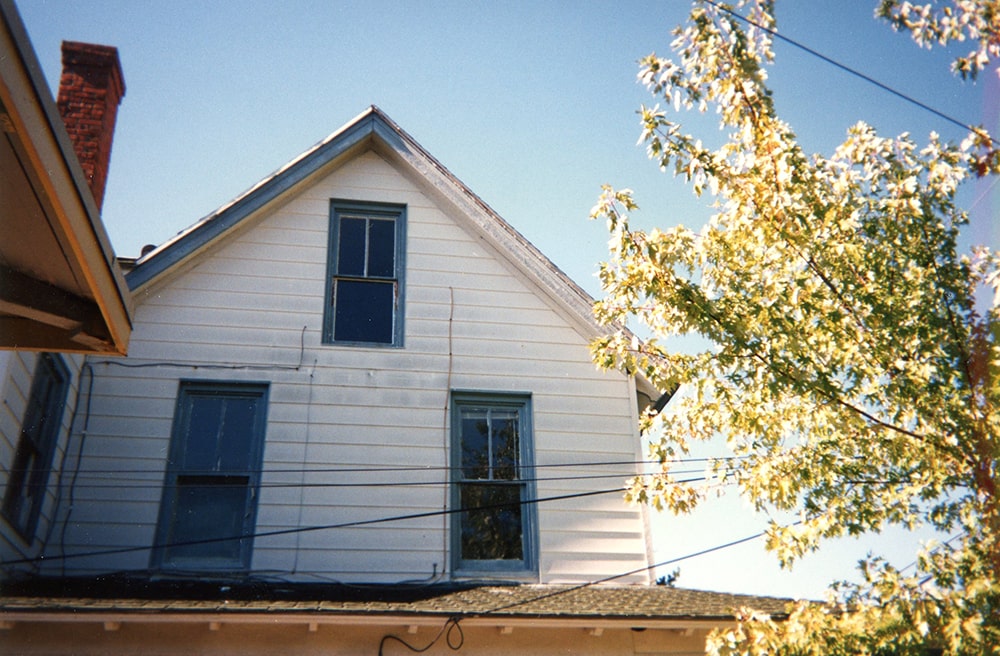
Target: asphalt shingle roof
x=530, y=601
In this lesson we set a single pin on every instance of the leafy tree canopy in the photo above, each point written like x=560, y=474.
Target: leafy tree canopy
x=848, y=371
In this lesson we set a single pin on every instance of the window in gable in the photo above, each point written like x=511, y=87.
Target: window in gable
x=22, y=502
x=491, y=463
x=210, y=492
x=365, y=282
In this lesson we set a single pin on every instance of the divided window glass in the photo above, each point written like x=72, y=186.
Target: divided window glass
x=492, y=445
x=364, y=302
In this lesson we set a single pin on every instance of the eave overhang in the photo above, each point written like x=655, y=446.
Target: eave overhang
x=60, y=287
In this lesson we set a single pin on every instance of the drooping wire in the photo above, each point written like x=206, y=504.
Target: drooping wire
x=452, y=624
x=86, y=368
x=846, y=68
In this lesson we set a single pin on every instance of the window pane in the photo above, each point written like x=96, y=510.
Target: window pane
x=20, y=499
x=363, y=311
x=381, y=248
x=202, y=439
x=236, y=433
x=208, y=508
x=25, y=488
x=491, y=522
x=475, y=445
x=351, y=247
x=505, y=448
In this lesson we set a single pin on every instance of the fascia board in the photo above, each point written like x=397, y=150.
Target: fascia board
x=577, y=304
x=486, y=222
x=187, y=243
x=347, y=618
x=71, y=210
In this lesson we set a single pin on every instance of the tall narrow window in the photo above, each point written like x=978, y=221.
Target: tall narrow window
x=209, y=503
x=22, y=501
x=491, y=461
x=365, y=293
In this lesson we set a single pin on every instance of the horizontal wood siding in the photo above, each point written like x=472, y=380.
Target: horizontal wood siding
x=359, y=434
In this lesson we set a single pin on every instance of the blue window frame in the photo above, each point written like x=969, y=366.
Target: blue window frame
x=25, y=493
x=364, y=296
x=491, y=463
x=208, y=511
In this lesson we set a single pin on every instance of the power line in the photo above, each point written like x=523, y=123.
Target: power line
x=156, y=484
x=607, y=579
x=306, y=529
x=323, y=527
x=417, y=468
x=846, y=69
x=454, y=623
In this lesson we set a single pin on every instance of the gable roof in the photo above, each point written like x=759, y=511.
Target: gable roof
x=374, y=130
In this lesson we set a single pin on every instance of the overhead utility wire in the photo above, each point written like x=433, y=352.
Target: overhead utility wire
x=309, y=529
x=454, y=623
x=847, y=69
x=157, y=484
x=607, y=579
x=323, y=527
x=420, y=468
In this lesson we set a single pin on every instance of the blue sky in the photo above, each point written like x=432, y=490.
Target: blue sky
x=531, y=104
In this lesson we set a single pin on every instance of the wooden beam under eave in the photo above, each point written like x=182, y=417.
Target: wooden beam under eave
x=27, y=335
x=58, y=181
x=38, y=316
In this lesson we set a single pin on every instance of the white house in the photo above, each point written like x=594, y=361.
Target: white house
x=360, y=343
x=357, y=404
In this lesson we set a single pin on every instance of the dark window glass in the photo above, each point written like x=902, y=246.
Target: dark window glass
x=22, y=503
x=381, y=248
x=201, y=446
x=351, y=247
x=364, y=312
x=365, y=301
x=211, y=482
x=207, y=509
x=505, y=445
x=491, y=522
x=475, y=445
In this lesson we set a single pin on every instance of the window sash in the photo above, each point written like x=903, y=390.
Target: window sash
x=365, y=271
x=213, y=474
x=495, y=528
x=25, y=493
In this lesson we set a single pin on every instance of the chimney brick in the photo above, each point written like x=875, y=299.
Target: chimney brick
x=90, y=91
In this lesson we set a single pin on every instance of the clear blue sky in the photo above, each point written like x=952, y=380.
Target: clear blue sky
x=531, y=104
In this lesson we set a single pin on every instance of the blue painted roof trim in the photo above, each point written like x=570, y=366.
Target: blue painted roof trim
x=189, y=241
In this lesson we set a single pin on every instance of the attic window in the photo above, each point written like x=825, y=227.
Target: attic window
x=365, y=282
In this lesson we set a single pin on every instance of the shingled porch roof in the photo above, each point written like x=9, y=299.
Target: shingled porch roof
x=595, y=605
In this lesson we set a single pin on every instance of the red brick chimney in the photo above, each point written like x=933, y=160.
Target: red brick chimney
x=89, y=93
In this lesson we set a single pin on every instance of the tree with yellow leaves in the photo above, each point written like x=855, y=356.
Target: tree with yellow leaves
x=848, y=371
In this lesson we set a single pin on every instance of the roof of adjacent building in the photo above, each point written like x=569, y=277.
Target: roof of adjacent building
x=634, y=603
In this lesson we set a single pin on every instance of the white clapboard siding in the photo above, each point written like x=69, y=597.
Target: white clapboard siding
x=250, y=309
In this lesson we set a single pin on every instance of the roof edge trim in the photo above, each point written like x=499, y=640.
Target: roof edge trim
x=194, y=238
